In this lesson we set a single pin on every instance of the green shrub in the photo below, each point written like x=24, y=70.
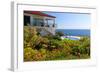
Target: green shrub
x=59, y=33
x=75, y=50
x=29, y=54
x=33, y=39
x=85, y=46
x=67, y=50
x=29, y=33
x=53, y=55
x=49, y=47
x=34, y=55
x=56, y=37
x=41, y=43
x=54, y=44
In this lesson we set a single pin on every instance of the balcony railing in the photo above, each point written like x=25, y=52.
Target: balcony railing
x=46, y=25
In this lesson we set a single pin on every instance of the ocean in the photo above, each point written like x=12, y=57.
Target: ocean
x=75, y=32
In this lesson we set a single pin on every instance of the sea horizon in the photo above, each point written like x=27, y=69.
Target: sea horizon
x=73, y=29
x=75, y=32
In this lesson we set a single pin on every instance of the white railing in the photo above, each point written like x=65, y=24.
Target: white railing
x=46, y=25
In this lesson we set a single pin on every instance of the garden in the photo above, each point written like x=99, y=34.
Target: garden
x=52, y=47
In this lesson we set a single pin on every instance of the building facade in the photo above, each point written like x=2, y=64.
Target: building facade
x=40, y=20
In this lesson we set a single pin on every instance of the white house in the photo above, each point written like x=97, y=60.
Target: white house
x=40, y=20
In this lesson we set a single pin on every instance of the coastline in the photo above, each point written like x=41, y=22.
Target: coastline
x=75, y=37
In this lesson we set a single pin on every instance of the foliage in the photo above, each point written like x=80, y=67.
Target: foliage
x=29, y=33
x=34, y=55
x=59, y=33
x=85, y=45
x=56, y=37
x=51, y=47
x=54, y=44
x=29, y=54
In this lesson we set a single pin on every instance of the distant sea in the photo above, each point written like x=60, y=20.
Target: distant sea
x=75, y=32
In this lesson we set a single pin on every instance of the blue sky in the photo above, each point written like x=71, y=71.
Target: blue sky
x=71, y=20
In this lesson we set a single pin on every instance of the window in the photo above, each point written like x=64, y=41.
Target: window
x=26, y=20
x=38, y=22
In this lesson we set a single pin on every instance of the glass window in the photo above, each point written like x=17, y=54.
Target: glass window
x=50, y=22
x=38, y=22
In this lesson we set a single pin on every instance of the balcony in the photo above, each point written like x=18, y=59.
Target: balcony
x=46, y=25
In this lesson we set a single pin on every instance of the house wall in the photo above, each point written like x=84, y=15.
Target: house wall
x=44, y=30
x=40, y=17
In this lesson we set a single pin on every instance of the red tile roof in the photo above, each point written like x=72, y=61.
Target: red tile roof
x=39, y=13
